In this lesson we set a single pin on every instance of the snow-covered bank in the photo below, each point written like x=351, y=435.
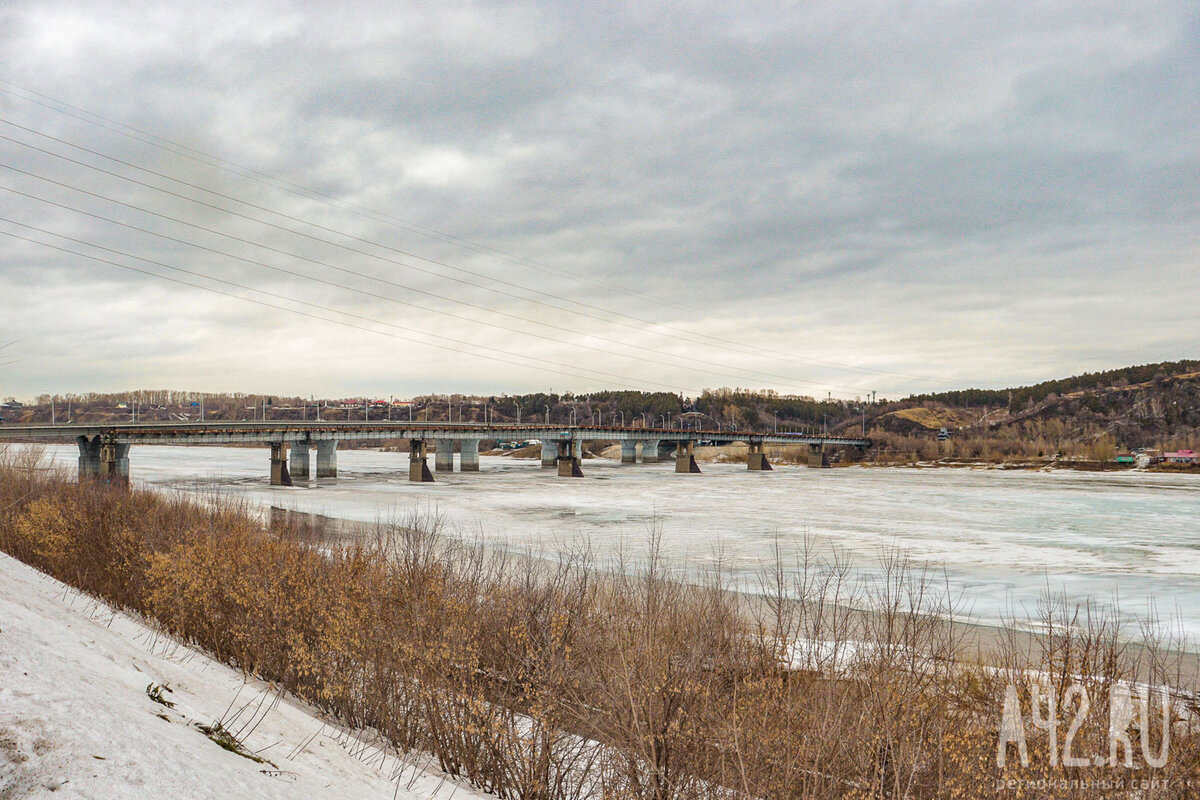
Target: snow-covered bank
x=77, y=720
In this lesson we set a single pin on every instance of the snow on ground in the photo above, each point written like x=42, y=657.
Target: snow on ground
x=76, y=719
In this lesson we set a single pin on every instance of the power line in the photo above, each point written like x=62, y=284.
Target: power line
x=632, y=381
x=746, y=372
x=788, y=381
x=312, y=194
x=250, y=173
x=335, y=284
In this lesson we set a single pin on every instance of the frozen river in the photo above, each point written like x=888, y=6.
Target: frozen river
x=1002, y=537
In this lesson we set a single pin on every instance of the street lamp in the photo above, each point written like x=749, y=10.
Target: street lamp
x=574, y=417
x=622, y=413
x=643, y=416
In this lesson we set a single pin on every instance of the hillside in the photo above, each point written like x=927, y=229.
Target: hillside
x=1149, y=405
x=78, y=719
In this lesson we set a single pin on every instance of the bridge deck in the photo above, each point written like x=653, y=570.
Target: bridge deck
x=271, y=432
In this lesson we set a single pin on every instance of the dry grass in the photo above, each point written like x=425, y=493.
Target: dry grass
x=543, y=678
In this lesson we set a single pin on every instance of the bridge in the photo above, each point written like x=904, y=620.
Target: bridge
x=104, y=449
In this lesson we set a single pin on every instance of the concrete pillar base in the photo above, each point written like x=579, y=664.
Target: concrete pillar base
x=89, y=458
x=756, y=459
x=628, y=452
x=114, y=463
x=300, y=461
x=468, y=459
x=418, y=467
x=568, y=459
x=649, y=451
x=327, y=458
x=816, y=456
x=569, y=468
x=279, y=467
x=443, y=459
x=549, y=454
x=685, y=459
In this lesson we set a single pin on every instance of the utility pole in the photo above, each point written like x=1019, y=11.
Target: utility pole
x=366, y=410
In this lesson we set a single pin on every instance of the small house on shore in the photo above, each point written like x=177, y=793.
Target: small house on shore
x=1181, y=457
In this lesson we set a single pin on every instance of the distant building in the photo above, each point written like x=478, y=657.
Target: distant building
x=1125, y=458
x=943, y=434
x=1181, y=457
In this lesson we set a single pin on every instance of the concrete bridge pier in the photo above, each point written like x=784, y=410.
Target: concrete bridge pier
x=114, y=463
x=468, y=459
x=568, y=459
x=685, y=458
x=549, y=454
x=279, y=466
x=443, y=460
x=89, y=457
x=418, y=467
x=649, y=451
x=816, y=456
x=756, y=459
x=300, y=461
x=629, y=452
x=327, y=458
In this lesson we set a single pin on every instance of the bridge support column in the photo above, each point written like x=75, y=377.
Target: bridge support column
x=279, y=466
x=549, y=454
x=468, y=460
x=568, y=459
x=418, y=467
x=816, y=456
x=114, y=463
x=443, y=460
x=756, y=459
x=327, y=458
x=649, y=451
x=298, y=464
x=89, y=457
x=685, y=458
x=629, y=452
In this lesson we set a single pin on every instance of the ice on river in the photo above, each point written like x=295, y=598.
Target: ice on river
x=1002, y=537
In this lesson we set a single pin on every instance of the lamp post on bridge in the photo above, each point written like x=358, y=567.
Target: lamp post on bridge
x=622, y=413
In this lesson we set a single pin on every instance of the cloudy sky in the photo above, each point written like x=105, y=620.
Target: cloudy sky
x=392, y=198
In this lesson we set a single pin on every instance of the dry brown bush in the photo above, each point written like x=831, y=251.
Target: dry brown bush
x=535, y=677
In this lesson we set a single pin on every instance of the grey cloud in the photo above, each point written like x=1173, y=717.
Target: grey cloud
x=870, y=179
